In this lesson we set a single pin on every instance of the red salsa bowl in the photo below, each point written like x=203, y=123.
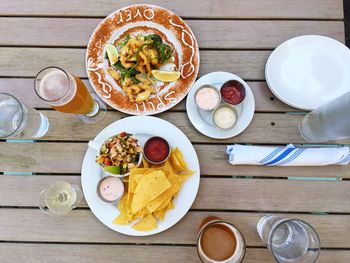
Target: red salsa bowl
x=232, y=92
x=156, y=150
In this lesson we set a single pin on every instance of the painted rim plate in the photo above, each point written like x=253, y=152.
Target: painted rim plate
x=143, y=127
x=143, y=19
x=308, y=71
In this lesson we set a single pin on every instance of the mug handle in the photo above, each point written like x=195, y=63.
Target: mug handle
x=94, y=145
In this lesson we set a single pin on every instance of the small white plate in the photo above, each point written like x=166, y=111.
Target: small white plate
x=308, y=71
x=143, y=127
x=202, y=120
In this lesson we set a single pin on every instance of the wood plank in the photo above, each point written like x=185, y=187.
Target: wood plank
x=83, y=227
x=312, y=9
x=61, y=253
x=27, y=62
x=282, y=128
x=215, y=193
x=233, y=34
x=68, y=157
x=264, y=99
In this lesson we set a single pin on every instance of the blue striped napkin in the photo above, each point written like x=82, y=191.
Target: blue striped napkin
x=287, y=156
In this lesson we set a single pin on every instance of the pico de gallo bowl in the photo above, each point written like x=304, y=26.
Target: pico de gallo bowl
x=120, y=153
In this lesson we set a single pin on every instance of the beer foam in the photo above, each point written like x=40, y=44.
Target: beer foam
x=54, y=86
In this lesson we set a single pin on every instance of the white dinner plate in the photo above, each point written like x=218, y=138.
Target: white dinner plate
x=308, y=71
x=202, y=120
x=143, y=127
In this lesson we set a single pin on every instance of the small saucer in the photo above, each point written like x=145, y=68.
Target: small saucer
x=202, y=120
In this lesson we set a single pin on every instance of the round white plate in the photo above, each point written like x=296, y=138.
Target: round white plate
x=202, y=120
x=143, y=127
x=308, y=71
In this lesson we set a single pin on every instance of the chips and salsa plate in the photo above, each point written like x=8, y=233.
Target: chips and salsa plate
x=144, y=127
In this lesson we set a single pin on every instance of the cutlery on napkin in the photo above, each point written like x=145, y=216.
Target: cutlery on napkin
x=287, y=155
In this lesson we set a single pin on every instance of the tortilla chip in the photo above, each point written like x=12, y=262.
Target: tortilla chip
x=150, y=187
x=145, y=163
x=180, y=158
x=160, y=202
x=167, y=195
x=149, y=191
x=183, y=176
x=128, y=207
x=165, y=203
x=122, y=219
x=142, y=213
x=122, y=203
x=160, y=214
x=146, y=224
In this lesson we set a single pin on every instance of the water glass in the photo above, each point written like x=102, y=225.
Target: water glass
x=289, y=240
x=67, y=93
x=19, y=121
x=328, y=122
x=60, y=198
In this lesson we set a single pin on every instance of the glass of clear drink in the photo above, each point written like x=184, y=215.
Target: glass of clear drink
x=60, y=198
x=328, y=122
x=19, y=121
x=67, y=93
x=289, y=240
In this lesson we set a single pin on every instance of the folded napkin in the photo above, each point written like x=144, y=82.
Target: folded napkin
x=287, y=156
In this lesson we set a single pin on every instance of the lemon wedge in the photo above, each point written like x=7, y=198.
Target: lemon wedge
x=112, y=54
x=166, y=76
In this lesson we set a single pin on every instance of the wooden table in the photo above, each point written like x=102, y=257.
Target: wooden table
x=235, y=36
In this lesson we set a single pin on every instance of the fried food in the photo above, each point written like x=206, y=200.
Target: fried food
x=138, y=56
x=151, y=191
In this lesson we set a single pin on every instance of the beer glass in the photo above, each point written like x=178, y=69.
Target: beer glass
x=67, y=93
x=289, y=240
x=220, y=242
x=19, y=121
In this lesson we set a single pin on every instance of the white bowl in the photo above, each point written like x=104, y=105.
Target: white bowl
x=97, y=146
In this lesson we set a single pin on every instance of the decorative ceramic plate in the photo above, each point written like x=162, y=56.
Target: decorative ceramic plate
x=135, y=20
x=143, y=127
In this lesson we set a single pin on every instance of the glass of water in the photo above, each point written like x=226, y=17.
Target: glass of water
x=289, y=240
x=328, y=122
x=19, y=121
x=60, y=198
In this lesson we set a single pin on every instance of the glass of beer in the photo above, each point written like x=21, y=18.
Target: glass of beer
x=289, y=240
x=220, y=242
x=60, y=198
x=67, y=93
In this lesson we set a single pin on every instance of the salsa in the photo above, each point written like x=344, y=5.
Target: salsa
x=119, y=153
x=232, y=92
x=156, y=150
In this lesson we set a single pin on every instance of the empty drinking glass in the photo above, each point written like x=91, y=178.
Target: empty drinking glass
x=20, y=121
x=289, y=240
x=60, y=198
x=67, y=93
x=328, y=122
